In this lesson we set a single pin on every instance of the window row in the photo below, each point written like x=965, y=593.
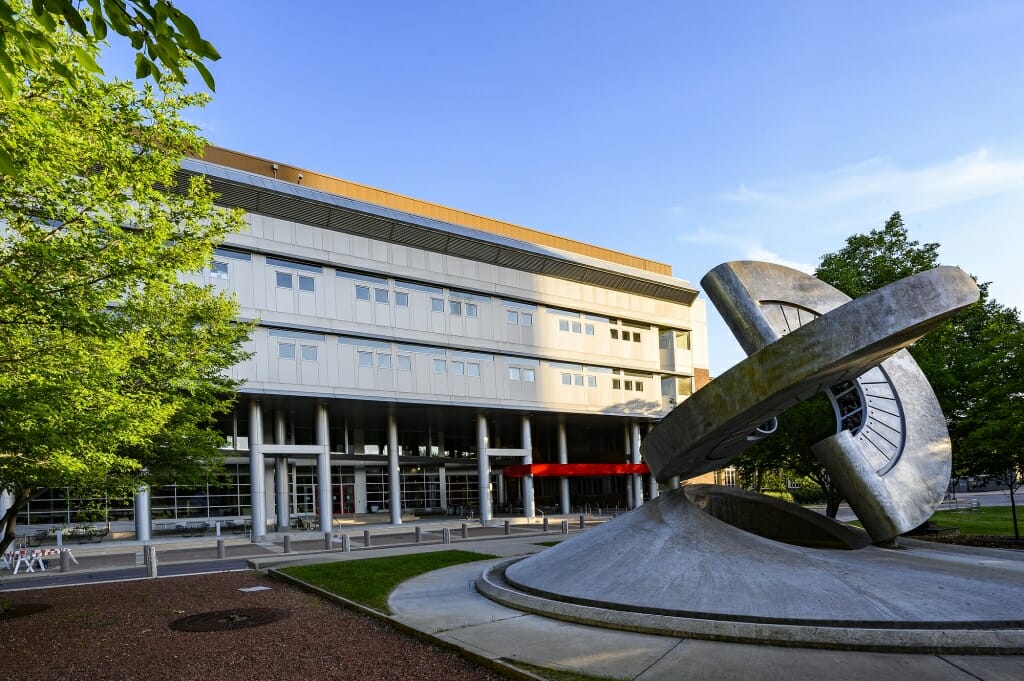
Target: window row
x=620, y=384
x=575, y=327
x=382, y=295
x=577, y=379
x=625, y=335
x=519, y=317
x=455, y=307
x=287, y=351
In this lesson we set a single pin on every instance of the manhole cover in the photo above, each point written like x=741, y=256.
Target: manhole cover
x=12, y=610
x=229, y=620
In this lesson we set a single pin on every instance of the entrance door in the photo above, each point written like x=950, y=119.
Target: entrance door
x=345, y=502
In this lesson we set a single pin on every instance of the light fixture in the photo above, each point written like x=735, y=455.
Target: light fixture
x=273, y=167
x=300, y=178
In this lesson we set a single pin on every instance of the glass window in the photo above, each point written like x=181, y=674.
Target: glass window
x=362, y=292
x=455, y=307
x=636, y=337
x=577, y=379
x=625, y=336
x=472, y=369
x=436, y=305
x=471, y=310
x=384, y=361
x=306, y=283
x=401, y=299
x=458, y=368
x=526, y=319
x=365, y=358
x=380, y=295
x=440, y=366
x=566, y=379
x=511, y=316
x=404, y=362
x=309, y=353
x=616, y=383
x=563, y=324
x=629, y=385
x=639, y=386
x=529, y=375
x=591, y=381
x=577, y=327
x=513, y=373
x=286, y=350
x=615, y=333
x=284, y=280
x=219, y=270
x=682, y=340
x=589, y=329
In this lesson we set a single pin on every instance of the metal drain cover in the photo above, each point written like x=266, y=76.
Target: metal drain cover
x=229, y=620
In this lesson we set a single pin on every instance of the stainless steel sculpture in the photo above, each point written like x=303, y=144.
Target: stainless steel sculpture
x=891, y=455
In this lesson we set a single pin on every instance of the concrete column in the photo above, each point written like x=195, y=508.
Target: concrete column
x=257, y=497
x=634, y=454
x=323, y=469
x=528, y=507
x=673, y=482
x=483, y=469
x=280, y=475
x=143, y=515
x=502, y=492
x=394, y=479
x=651, y=480
x=629, y=478
x=442, y=493
x=563, y=457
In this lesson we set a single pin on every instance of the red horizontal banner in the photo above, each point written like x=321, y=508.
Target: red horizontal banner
x=574, y=470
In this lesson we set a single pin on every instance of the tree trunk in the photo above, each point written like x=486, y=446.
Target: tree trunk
x=1013, y=511
x=10, y=518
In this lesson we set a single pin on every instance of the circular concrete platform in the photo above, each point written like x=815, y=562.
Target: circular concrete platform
x=668, y=567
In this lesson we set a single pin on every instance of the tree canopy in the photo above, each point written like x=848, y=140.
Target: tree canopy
x=113, y=364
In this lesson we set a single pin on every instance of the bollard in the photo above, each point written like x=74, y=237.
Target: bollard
x=346, y=544
x=465, y=531
x=221, y=551
x=582, y=522
x=446, y=535
x=508, y=527
x=217, y=525
x=145, y=555
x=151, y=570
x=328, y=541
x=419, y=534
x=545, y=523
x=65, y=561
x=366, y=538
x=287, y=543
x=565, y=527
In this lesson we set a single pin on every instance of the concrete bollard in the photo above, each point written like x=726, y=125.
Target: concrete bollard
x=346, y=544
x=366, y=538
x=65, y=561
x=446, y=535
x=545, y=523
x=287, y=543
x=583, y=522
x=221, y=551
x=328, y=541
x=565, y=527
x=508, y=527
x=419, y=534
x=465, y=531
x=151, y=569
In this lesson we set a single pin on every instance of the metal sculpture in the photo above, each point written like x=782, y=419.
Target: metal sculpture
x=890, y=457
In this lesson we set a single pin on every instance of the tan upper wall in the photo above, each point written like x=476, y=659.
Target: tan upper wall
x=379, y=197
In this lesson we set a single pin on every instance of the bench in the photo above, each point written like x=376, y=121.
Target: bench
x=193, y=529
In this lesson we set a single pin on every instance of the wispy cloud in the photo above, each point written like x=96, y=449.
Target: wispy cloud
x=741, y=247
x=964, y=178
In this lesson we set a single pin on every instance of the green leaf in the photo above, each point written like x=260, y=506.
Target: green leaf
x=87, y=61
x=117, y=17
x=188, y=29
x=143, y=67
x=205, y=73
x=7, y=163
x=73, y=18
x=99, y=27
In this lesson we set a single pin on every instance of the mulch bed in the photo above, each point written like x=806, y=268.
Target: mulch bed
x=122, y=631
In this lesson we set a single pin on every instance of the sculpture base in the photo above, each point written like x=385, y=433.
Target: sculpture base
x=669, y=567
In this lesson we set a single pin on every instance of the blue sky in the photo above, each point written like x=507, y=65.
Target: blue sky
x=693, y=135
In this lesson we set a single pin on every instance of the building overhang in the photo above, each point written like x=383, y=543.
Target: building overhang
x=293, y=202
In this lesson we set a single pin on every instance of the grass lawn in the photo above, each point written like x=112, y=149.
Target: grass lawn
x=558, y=674
x=369, y=581
x=987, y=520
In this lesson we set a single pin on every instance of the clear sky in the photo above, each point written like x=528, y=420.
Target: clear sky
x=690, y=133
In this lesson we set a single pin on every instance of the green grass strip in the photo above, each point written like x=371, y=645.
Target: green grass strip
x=553, y=674
x=984, y=521
x=369, y=581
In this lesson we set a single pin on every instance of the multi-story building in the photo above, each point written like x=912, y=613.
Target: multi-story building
x=413, y=358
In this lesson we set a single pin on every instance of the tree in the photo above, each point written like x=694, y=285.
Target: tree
x=165, y=39
x=113, y=366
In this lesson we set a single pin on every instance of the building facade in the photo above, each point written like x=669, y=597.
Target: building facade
x=410, y=358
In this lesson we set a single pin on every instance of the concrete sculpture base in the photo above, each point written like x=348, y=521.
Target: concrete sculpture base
x=669, y=567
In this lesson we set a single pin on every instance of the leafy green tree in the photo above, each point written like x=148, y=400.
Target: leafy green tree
x=113, y=365
x=165, y=39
